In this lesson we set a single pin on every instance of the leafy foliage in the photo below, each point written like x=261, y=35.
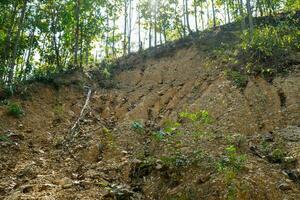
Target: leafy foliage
x=230, y=165
x=232, y=161
x=202, y=116
x=239, y=79
x=41, y=38
x=4, y=138
x=270, y=45
x=138, y=127
x=15, y=110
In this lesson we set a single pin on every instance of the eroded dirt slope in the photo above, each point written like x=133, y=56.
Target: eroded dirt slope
x=108, y=160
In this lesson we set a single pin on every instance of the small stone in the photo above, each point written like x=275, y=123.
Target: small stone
x=158, y=166
x=67, y=186
x=284, y=186
x=268, y=137
x=46, y=187
x=29, y=131
x=124, y=152
x=65, y=182
x=103, y=183
x=136, y=161
x=27, y=188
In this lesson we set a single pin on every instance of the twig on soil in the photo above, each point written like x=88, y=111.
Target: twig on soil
x=82, y=113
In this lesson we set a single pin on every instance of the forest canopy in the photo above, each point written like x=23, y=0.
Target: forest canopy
x=40, y=37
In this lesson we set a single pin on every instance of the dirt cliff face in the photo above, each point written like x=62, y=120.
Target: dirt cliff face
x=108, y=160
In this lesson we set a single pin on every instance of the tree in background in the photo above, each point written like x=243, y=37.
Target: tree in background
x=38, y=38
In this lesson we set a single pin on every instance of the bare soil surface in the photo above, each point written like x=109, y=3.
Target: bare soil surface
x=107, y=159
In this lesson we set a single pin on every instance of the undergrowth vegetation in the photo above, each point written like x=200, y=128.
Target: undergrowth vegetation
x=182, y=145
x=230, y=166
x=15, y=110
x=268, y=48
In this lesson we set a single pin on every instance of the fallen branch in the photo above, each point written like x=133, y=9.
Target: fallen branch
x=82, y=113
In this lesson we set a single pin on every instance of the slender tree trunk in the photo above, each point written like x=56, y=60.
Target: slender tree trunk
x=177, y=21
x=202, y=20
x=27, y=64
x=81, y=46
x=87, y=52
x=187, y=16
x=207, y=12
x=214, y=13
x=107, y=36
x=228, y=12
x=139, y=24
x=241, y=8
x=249, y=10
x=184, y=18
x=196, y=16
x=113, y=35
x=54, y=32
x=77, y=29
x=150, y=37
x=160, y=38
x=129, y=24
x=16, y=46
x=165, y=35
x=9, y=35
x=125, y=28
x=155, y=23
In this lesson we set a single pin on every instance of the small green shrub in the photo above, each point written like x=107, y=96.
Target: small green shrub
x=269, y=46
x=58, y=112
x=239, y=79
x=159, y=135
x=4, y=138
x=105, y=73
x=232, y=161
x=230, y=166
x=170, y=127
x=138, y=127
x=15, y=110
x=176, y=160
x=202, y=116
x=277, y=155
x=44, y=74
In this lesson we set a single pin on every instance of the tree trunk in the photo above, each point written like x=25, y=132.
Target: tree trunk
x=129, y=24
x=228, y=12
x=196, y=16
x=202, y=20
x=113, y=35
x=155, y=23
x=56, y=49
x=125, y=28
x=160, y=38
x=139, y=24
x=107, y=35
x=9, y=35
x=241, y=8
x=165, y=35
x=214, y=13
x=150, y=38
x=184, y=19
x=207, y=12
x=16, y=46
x=27, y=66
x=249, y=10
x=81, y=46
x=87, y=53
x=187, y=16
x=77, y=29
